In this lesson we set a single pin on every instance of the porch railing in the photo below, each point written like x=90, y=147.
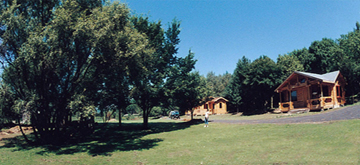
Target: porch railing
x=286, y=106
x=318, y=103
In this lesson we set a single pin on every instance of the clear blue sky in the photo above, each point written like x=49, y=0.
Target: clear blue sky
x=220, y=32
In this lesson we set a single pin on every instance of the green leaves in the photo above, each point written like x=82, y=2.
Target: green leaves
x=252, y=84
x=70, y=60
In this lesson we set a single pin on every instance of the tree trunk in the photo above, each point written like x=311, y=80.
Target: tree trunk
x=22, y=132
x=120, y=109
x=192, y=114
x=145, y=119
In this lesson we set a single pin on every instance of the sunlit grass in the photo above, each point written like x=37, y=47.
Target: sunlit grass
x=181, y=143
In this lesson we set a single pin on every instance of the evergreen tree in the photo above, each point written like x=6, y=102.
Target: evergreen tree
x=236, y=89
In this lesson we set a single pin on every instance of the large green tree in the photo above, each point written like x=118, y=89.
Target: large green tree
x=52, y=63
x=236, y=89
x=323, y=52
x=188, y=89
x=349, y=60
x=149, y=88
x=252, y=85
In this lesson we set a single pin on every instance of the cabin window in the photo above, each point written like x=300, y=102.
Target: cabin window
x=220, y=105
x=325, y=90
x=213, y=106
x=338, y=91
x=302, y=80
x=205, y=106
x=293, y=96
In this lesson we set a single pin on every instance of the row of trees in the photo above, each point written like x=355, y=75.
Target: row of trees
x=73, y=56
x=60, y=58
x=252, y=85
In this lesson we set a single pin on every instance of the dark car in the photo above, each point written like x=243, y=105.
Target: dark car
x=174, y=115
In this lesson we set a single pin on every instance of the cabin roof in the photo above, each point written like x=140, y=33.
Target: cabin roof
x=327, y=77
x=218, y=98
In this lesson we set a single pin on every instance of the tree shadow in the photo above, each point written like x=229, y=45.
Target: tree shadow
x=106, y=138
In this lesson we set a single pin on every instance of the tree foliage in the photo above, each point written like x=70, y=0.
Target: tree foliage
x=217, y=84
x=149, y=88
x=70, y=61
x=187, y=88
x=287, y=64
x=252, y=84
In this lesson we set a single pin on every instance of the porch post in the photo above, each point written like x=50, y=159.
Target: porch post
x=280, y=107
x=309, y=97
x=333, y=96
x=290, y=106
x=322, y=96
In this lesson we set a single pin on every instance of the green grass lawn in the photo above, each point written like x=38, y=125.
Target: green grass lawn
x=170, y=142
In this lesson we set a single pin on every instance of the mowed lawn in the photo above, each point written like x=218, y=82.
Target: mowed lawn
x=185, y=143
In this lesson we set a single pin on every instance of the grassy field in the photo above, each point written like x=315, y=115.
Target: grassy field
x=170, y=142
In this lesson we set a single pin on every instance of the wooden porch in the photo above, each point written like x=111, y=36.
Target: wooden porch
x=312, y=104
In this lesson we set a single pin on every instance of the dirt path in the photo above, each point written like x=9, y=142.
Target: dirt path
x=347, y=113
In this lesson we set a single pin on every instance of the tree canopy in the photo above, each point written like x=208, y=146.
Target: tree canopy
x=77, y=57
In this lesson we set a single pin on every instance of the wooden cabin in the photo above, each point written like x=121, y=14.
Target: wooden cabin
x=215, y=106
x=310, y=91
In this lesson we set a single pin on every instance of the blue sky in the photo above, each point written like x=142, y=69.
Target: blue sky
x=220, y=32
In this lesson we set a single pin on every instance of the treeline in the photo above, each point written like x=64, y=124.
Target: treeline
x=69, y=57
x=62, y=58
x=252, y=85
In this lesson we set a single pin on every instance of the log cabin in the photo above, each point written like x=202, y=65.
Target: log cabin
x=215, y=106
x=310, y=91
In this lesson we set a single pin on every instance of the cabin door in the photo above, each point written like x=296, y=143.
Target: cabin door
x=302, y=95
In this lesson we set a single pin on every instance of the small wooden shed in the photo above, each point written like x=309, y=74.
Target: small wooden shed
x=310, y=91
x=215, y=106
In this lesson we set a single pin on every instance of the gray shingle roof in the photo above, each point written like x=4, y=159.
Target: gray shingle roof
x=327, y=77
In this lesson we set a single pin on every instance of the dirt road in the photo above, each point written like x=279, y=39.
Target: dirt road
x=347, y=113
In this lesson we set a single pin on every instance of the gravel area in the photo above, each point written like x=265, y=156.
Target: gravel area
x=346, y=113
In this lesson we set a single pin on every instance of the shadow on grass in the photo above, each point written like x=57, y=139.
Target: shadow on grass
x=107, y=138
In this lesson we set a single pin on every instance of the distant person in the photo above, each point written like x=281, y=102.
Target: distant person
x=206, y=119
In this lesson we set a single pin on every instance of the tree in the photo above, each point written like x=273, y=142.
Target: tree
x=323, y=52
x=217, y=84
x=123, y=51
x=187, y=88
x=52, y=69
x=349, y=60
x=252, y=84
x=288, y=63
x=7, y=101
x=305, y=58
x=236, y=89
x=149, y=88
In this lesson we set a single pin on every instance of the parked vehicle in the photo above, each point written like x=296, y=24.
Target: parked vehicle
x=174, y=115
